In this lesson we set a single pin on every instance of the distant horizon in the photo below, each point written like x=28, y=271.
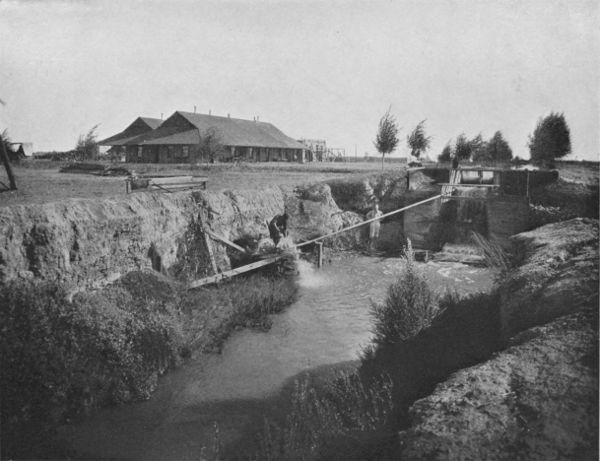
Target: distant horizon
x=315, y=69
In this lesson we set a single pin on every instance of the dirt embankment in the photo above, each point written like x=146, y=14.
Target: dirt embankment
x=84, y=243
x=538, y=399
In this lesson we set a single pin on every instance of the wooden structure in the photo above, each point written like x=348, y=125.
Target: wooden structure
x=167, y=184
x=187, y=137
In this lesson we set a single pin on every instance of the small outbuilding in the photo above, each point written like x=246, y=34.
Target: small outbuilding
x=19, y=151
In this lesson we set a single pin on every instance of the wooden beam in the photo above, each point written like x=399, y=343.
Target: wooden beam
x=225, y=241
x=239, y=270
x=368, y=221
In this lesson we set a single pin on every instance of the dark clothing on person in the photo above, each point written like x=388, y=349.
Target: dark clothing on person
x=278, y=227
x=455, y=163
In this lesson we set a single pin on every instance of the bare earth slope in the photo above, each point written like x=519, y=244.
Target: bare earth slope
x=538, y=399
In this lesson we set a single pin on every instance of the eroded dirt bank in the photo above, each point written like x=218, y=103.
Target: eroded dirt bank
x=87, y=244
x=537, y=399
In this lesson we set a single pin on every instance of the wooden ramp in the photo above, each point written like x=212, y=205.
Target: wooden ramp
x=233, y=272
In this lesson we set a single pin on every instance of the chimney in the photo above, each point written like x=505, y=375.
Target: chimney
x=228, y=115
x=209, y=111
x=194, y=109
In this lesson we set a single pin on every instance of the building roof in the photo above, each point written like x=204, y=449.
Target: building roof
x=232, y=131
x=139, y=126
x=26, y=147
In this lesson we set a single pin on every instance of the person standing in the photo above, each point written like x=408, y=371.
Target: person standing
x=375, y=225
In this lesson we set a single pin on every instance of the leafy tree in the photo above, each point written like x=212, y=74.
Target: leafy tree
x=551, y=139
x=494, y=150
x=87, y=146
x=467, y=149
x=462, y=147
x=497, y=149
x=417, y=141
x=477, y=145
x=446, y=154
x=210, y=145
x=387, y=135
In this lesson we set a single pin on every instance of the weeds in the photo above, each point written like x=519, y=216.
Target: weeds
x=345, y=405
x=494, y=254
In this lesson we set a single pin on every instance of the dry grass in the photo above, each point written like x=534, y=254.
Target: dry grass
x=40, y=181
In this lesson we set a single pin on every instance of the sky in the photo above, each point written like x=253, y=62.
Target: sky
x=315, y=69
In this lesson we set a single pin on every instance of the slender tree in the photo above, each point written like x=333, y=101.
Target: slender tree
x=446, y=154
x=87, y=146
x=387, y=135
x=417, y=141
x=550, y=140
x=462, y=147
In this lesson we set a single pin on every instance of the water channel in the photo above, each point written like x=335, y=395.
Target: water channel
x=327, y=326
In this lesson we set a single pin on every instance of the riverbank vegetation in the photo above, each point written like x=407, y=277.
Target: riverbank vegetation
x=419, y=339
x=63, y=357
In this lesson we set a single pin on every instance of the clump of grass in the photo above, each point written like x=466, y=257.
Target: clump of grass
x=494, y=254
x=257, y=297
x=345, y=405
x=409, y=307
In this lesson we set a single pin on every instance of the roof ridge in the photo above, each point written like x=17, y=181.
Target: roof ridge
x=184, y=113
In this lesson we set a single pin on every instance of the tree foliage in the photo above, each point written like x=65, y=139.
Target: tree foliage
x=87, y=145
x=210, y=144
x=387, y=135
x=446, y=154
x=6, y=143
x=417, y=141
x=494, y=150
x=551, y=139
x=409, y=307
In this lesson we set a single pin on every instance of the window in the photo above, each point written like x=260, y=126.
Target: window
x=139, y=152
x=185, y=151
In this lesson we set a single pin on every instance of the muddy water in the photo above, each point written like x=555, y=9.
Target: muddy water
x=329, y=324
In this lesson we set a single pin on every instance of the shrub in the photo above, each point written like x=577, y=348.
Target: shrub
x=409, y=307
x=61, y=357
x=345, y=405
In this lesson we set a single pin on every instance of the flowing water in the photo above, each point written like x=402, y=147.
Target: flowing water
x=327, y=325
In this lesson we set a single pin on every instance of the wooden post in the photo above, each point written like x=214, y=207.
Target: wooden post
x=527, y=190
x=319, y=254
x=6, y=161
x=208, y=244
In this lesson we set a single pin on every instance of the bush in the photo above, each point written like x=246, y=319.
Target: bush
x=345, y=405
x=409, y=307
x=61, y=357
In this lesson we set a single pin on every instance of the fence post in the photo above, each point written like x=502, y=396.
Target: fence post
x=319, y=254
